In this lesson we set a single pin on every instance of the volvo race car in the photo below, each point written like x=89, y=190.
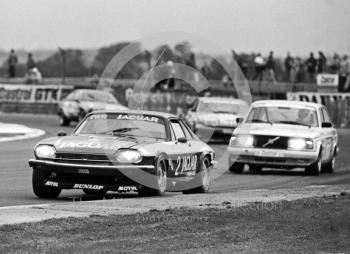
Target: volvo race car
x=142, y=151
x=213, y=117
x=82, y=101
x=284, y=134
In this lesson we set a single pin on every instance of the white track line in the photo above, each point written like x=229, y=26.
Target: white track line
x=17, y=128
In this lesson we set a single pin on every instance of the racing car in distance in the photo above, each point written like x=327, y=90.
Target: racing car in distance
x=82, y=101
x=215, y=117
x=284, y=134
x=144, y=151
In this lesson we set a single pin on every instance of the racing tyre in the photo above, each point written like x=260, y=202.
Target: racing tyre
x=315, y=168
x=39, y=187
x=237, y=168
x=329, y=166
x=160, y=180
x=205, y=178
x=95, y=192
x=255, y=168
x=64, y=121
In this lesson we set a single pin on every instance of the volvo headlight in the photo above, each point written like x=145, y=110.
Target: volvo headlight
x=45, y=152
x=242, y=140
x=300, y=143
x=128, y=156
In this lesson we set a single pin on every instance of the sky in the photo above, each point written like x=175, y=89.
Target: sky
x=298, y=26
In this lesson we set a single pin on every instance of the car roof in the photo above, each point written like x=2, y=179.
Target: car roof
x=138, y=112
x=286, y=103
x=222, y=99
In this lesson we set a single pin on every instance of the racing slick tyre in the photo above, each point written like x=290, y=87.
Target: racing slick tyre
x=315, y=168
x=64, y=121
x=329, y=166
x=159, y=180
x=255, y=168
x=205, y=179
x=236, y=168
x=95, y=192
x=39, y=187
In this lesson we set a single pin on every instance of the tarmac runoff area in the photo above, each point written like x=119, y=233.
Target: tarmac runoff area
x=267, y=200
x=11, y=132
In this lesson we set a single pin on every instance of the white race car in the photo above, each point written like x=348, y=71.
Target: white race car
x=213, y=117
x=284, y=134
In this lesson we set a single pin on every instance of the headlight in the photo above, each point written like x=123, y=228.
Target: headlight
x=242, y=140
x=300, y=143
x=45, y=152
x=128, y=156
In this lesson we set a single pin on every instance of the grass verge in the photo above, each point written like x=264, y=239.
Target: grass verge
x=307, y=225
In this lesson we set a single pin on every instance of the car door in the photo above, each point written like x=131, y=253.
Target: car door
x=329, y=136
x=184, y=160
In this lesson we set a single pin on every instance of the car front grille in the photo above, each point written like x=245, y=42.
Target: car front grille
x=271, y=142
x=82, y=158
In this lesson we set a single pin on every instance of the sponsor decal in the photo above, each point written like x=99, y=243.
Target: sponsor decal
x=90, y=144
x=138, y=117
x=326, y=79
x=50, y=183
x=127, y=188
x=87, y=186
x=98, y=116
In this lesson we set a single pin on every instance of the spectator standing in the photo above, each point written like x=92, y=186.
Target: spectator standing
x=335, y=64
x=311, y=64
x=259, y=67
x=206, y=71
x=321, y=62
x=288, y=66
x=270, y=66
x=12, y=61
x=343, y=74
x=30, y=62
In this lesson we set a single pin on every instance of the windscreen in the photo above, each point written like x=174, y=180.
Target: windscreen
x=124, y=125
x=283, y=115
x=99, y=96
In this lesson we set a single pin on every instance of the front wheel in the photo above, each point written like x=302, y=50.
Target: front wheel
x=315, y=168
x=255, y=168
x=236, y=167
x=64, y=121
x=159, y=180
x=40, y=189
x=329, y=166
x=204, y=179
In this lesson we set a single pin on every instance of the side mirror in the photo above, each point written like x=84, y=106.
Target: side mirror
x=239, y=120
x=61, y=134
x=327, y=125
x=182, y=140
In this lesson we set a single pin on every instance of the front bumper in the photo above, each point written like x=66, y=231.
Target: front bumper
x=120, y=178
x=272, y=157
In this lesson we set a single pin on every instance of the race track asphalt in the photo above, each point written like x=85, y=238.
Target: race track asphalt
x=15, y=174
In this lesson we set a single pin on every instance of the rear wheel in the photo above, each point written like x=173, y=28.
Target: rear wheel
x=40, y=189
x=205, y=178
x=315, y=168
x=237, y=168
x=160, y=180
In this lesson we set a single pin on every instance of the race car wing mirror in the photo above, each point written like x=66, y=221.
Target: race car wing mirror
x=182, y=140
x=239, y=120
x=61, y=134
x=327, y=125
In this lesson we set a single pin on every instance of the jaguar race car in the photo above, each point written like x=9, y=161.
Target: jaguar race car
x=142, y=151
x=82, y=101
x=284, y=134
x=215, y=117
